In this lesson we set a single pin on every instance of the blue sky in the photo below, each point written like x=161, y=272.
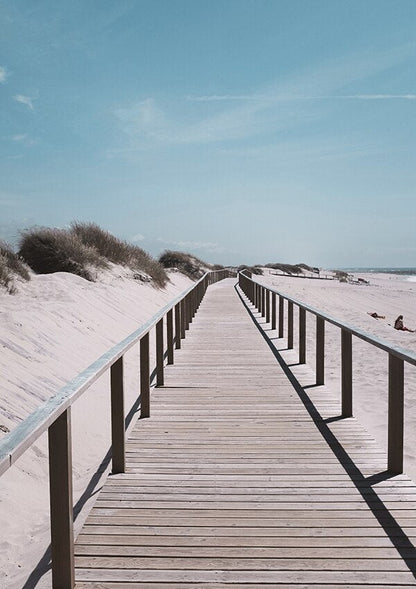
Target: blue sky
x=244, y=131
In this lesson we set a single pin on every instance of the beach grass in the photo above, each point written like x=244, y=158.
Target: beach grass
x=186, y=263
x=47, y=250
x=119, y=251
x=83, y=249
x=11, y=265
x=253, y=269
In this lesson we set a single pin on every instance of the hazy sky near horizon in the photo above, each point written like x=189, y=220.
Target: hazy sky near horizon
x=243, y=131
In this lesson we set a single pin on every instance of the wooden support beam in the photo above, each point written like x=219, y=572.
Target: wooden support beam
x=178, y=324
x=169, y=335
x=395, y=415
x=273, y=310
x=61, y=502
x=144, y=377
x=183, y=318
x=346, y=373
x=281, y=316
x=302, y=336
x=290, y=325
x=267, y=306
x=117, y=418
x=160, y=376
x=320, y=350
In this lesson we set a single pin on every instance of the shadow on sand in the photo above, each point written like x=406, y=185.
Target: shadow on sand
x=364, y=485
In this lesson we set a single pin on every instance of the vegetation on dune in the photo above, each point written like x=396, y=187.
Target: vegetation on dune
x=11, y=265
x=49, y=250
x=253, y=269
x=188, y=264
x=341, y=275
x=217, y=267
x=292, y=268
x=83, y=249
x=119, y=251
x=313, y=269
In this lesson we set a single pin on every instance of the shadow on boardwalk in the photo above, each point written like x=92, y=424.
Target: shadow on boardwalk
x=364, y=485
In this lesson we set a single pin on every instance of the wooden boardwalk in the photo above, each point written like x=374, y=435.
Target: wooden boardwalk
x=236, y=481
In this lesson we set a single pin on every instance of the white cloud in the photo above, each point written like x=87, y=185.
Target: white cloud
x=143, y=118
x=138, y=237
x=26, y=100
x=267, y=110
x=220, y=97
x=3, y=75
x=19, y=137
x=203, y=245
x=290, y=98
x=23, y=139
x=383, y=96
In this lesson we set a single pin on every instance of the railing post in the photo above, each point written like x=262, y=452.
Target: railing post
x=289, y=325
x=191, y=305
x=144, y=377
x=187, y=311
x=320, y=350
x=267, y=306
x=302, y=336
x=263, y=301
x=178, y=326
x=61, y=502
x=395, y=415
x=183, y=318
x=346, y=373
x=159, y=354
x=169, y=335
x=281, y=316
x=273, y=310
x=117, y=418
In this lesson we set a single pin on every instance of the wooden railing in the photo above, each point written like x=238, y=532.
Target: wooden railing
x=54, y=416
x=275, y=307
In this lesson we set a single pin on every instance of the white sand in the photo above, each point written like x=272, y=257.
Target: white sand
x=387, y=294
x=52, y=329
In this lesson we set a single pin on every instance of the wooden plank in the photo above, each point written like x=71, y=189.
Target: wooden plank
x=260, y=577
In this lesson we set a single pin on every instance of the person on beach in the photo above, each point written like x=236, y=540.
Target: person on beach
x=398, y=324
x=376, y=315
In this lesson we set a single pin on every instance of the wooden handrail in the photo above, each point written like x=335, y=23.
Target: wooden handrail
x=55, y=416
x=402, y=353
x=255, y=292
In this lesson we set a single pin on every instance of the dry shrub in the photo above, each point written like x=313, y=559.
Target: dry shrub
x=119, y=252
x=82, y=249
x=14, y=262
x=11, y=265
x=188, y=264
x=110, y=247
x=253, y=269
x=141, y=260
x=5, y=275
x=286, y=268
x=59, y=250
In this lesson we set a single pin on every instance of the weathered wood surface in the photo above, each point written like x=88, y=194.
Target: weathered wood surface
x=236, y=480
